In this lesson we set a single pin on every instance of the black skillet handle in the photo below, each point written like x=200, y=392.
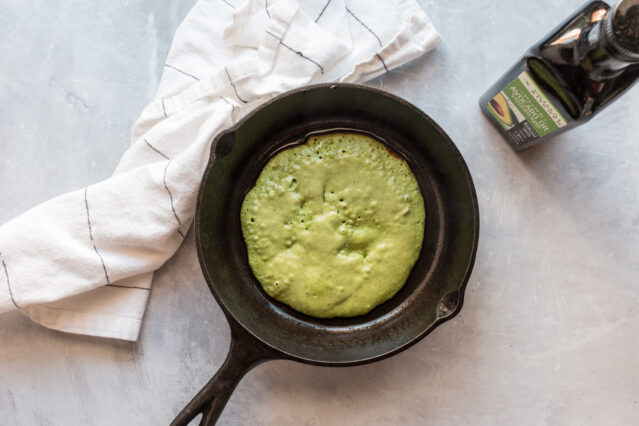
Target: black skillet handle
x=245, y=353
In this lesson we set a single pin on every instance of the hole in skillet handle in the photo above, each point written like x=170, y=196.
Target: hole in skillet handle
x=448, y=304
x=225, y=144
x=245, y=353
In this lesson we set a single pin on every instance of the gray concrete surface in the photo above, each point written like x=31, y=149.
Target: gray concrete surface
x=549, y=330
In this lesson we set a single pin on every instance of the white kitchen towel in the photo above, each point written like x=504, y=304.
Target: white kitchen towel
x=83, y=262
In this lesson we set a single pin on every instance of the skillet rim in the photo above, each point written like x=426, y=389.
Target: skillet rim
x=276, y=353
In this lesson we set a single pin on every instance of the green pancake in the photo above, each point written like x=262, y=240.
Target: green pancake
x=333, y=227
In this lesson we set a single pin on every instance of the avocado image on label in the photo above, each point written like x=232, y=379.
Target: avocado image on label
x=499, y=107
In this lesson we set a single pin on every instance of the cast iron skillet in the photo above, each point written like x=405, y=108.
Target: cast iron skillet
x=263, y=329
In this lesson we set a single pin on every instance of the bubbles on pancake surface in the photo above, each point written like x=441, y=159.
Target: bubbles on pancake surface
x=333, y=227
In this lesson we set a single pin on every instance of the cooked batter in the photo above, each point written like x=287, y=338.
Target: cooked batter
x=334, y=226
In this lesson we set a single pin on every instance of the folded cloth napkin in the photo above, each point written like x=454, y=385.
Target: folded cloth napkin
x=83, y=262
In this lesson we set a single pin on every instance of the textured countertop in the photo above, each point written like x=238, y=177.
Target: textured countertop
x=549, y=330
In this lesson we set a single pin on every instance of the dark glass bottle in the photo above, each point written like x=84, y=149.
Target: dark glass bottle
x=581, y=67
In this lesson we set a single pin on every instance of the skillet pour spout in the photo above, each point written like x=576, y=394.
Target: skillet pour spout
x=262, y=328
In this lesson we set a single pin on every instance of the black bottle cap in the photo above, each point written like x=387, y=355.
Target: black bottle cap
x=621, y=28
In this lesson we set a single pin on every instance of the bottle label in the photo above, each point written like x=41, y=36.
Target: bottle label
x=524, y=111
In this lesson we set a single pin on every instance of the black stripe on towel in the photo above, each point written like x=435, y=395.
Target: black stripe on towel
x=171, y=198
x=86, y=203
x=233, y=84
x=322, y=12
x=229, y=3
x=180, y=71
x=155, y=149
x=382, y=59
x=295, y=51
x=164, y=108
x=365, y=26
x=128, y=286
x=6, y=274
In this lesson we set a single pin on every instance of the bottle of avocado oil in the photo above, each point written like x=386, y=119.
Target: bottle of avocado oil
x=577, y=70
